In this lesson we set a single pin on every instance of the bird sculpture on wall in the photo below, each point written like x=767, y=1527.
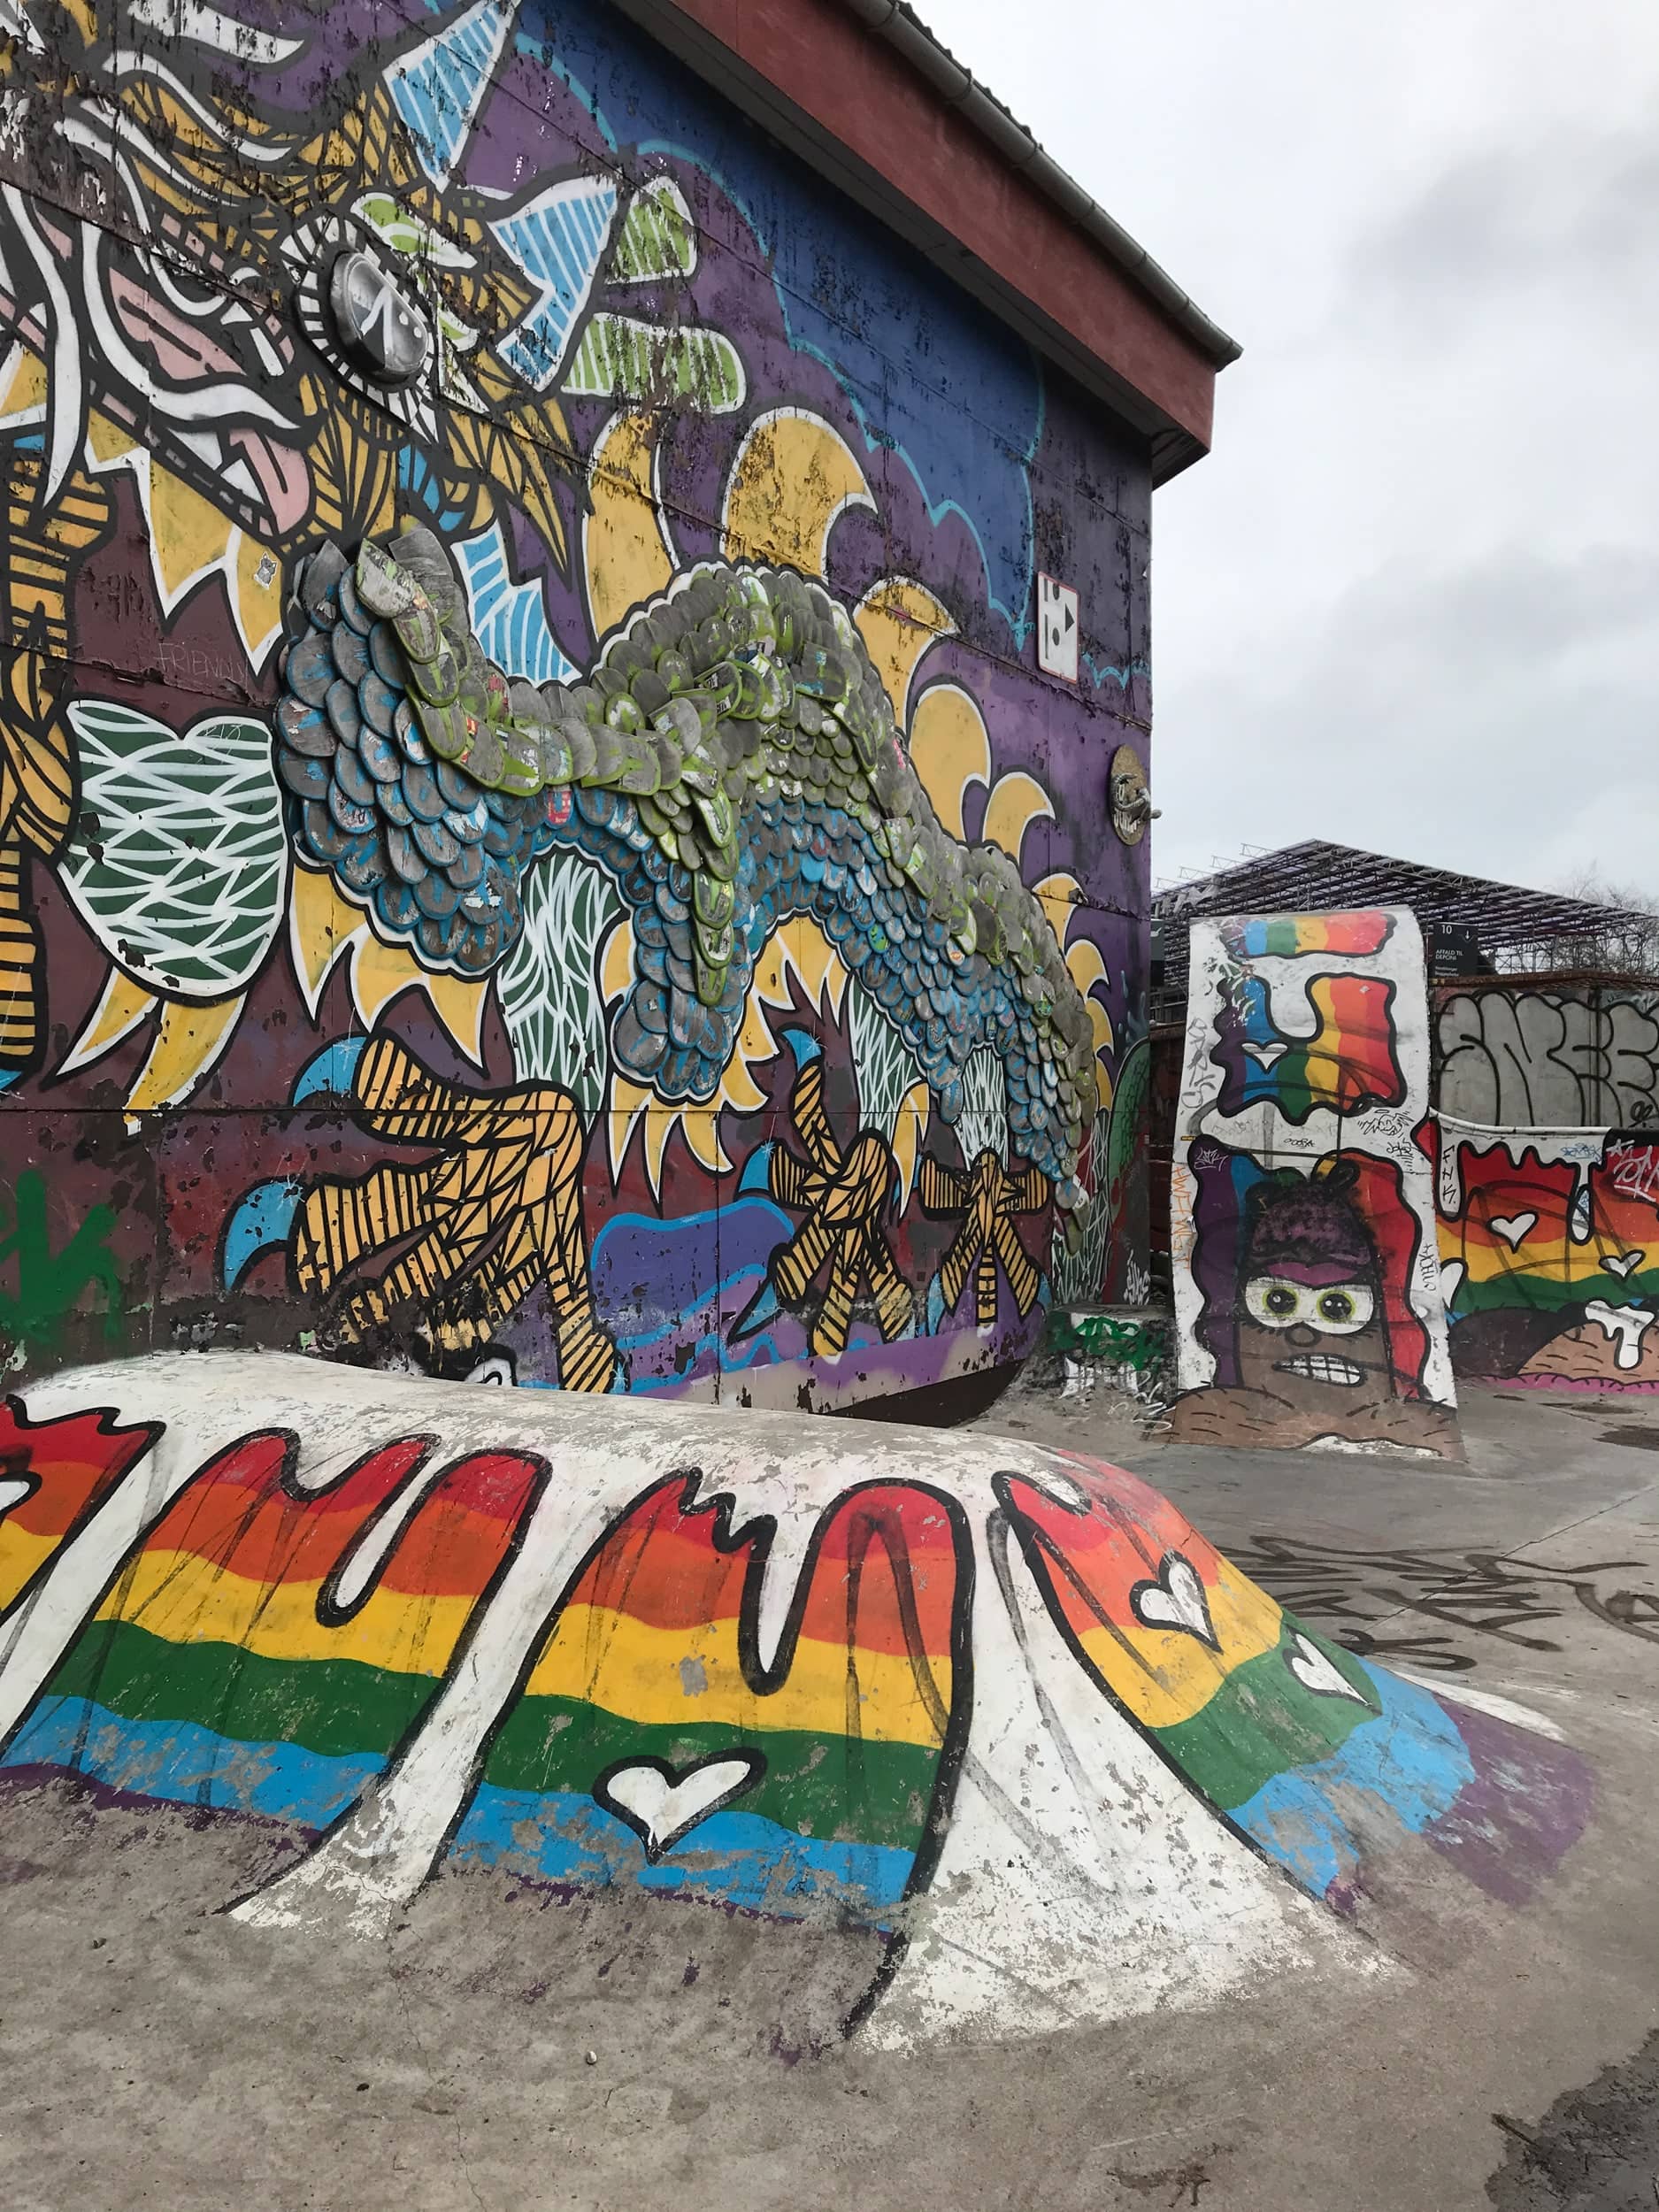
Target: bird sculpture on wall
x=731, y=761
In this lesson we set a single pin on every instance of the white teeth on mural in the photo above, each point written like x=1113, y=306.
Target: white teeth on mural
x=1512, y=1227
x=1322, y=1367
x=1175, y=1601
x=1624, y=1263
x=662, y=1807
x=13, y=1490
x=241, y=479
x=1316, y=1673
x=1452, y=1273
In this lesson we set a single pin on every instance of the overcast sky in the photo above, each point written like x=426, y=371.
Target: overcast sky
x=1411, y=600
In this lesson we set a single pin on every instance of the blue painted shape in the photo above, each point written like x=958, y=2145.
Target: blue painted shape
x=957, y=399
x=261, y=1222
x=1411, y=1762
x=417, y=477
x=735, y=1857
x=558, y=239
x=189, y=1764
x=804, y=1046
x=438, y=87
x=756, y=1174
x=333, y=1069
x=509, y=619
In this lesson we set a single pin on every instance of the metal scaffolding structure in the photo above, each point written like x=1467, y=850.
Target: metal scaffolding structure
x=1517, y=931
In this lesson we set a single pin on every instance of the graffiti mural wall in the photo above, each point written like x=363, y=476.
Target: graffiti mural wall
x=1003, y=1707
x=1548, y=1184
x=533, y=841
x=1307, y=1280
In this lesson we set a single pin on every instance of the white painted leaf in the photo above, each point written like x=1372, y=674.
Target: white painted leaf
x=180, y=862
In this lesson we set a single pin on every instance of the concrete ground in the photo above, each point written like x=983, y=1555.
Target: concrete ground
x=501, y=2054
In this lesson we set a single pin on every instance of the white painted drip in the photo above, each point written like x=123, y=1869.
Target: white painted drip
x=1079, y=1879
x=1578, y=1215
x=362, y=1570
x=1457, y=1691
x=1624, y=1325
x=378, y=1857
x=1550, y=1147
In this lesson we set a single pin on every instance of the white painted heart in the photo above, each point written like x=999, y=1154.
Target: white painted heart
x=1624, y=1263
x=1512, y=1227
x=662, y=1804
x=1316, y=1673
x=1176, y=1600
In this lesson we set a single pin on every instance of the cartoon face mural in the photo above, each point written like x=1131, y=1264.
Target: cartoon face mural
x=1311, y=1315
x=918, y=1690
x=506, y=681
x=1549, y=1235
x=1307, y=1294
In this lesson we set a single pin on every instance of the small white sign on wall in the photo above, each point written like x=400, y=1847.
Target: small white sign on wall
x=1056, y=628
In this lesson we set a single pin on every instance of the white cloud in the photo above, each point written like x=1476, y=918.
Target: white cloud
x=1410, y=600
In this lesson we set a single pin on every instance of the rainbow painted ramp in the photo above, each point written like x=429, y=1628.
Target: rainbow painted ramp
x=1004, y=1706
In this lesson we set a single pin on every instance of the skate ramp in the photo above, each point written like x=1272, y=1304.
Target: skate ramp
x=999, y=1712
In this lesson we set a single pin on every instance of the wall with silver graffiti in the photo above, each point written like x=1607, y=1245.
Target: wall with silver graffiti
x=1549, y=1182
x=532, y=837
x=1005, y=1709
x=1303, y=1234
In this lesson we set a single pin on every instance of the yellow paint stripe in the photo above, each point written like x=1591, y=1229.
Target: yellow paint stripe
x=1169, y=1675
x=629, y=1667
x=187, y=1600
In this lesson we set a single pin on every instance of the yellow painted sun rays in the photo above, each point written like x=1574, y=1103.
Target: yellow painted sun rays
x=793, y=480
x=799, y=947
x=627, y=554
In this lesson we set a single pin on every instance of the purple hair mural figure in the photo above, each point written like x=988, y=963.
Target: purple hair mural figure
x=1306, y=1289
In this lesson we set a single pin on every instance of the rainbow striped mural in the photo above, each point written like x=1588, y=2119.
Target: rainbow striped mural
x=1352, y=1061
x=833, y=1747
x=1310, y=1754
x=1354, y=934
x=751, y=1686
x=266, y=1648
x=53, y=1475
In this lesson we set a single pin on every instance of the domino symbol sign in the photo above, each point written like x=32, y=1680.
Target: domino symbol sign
x=1056, y=628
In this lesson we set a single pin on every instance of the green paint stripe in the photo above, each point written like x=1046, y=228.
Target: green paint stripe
x=824, y=1785
x=816, y=1784
x=1261, y=1722
x=330, y=1706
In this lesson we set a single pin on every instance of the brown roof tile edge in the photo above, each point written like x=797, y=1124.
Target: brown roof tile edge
x=902, y=28
x=886, y=114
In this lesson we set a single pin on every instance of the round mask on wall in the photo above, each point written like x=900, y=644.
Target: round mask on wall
x=1130, y=802
x=378, y=325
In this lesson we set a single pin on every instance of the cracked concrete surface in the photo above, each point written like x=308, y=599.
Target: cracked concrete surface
x=155, y=2053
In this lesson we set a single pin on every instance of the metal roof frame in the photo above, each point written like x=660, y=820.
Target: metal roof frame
x=1507, y=920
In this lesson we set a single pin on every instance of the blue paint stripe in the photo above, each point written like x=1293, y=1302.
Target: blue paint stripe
x=193, y=1765
x=1410, y=1763
x=733, y=1857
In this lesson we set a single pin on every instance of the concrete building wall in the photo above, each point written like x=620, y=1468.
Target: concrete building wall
x=705, y=985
